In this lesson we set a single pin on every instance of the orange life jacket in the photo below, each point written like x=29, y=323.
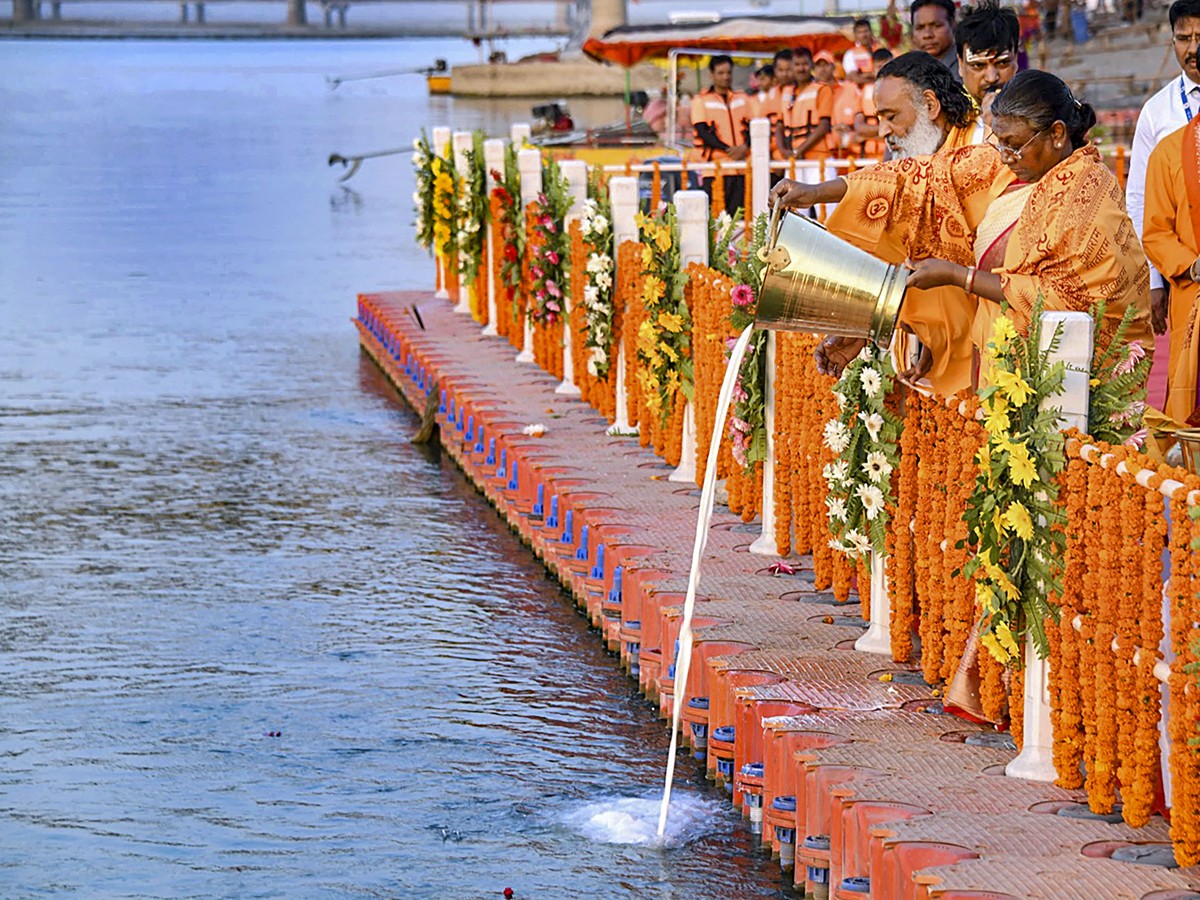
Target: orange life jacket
x=729, y=117
x=802, y=110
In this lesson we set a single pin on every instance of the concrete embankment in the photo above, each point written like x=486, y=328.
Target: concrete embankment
x=841, y=758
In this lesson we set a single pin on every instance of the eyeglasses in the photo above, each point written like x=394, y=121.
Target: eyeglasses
x=1008, y=153
x=1186, y=40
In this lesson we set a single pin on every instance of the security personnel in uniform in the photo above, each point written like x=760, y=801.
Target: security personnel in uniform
x=721, y=121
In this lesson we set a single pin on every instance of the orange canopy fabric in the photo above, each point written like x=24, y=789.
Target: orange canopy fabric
x=629, y=45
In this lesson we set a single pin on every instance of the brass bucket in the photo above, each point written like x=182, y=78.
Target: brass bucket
x=818, y=283
x=1189, y=443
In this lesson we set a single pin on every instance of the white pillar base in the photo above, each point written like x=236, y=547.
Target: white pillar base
x=567, y=389
x=878, y=636
x=526, y=354
x=685, y=472
x=766, y=545
x=464, y=299
x=1035, y=762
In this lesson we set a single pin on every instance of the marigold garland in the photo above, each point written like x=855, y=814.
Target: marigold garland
x=901, y=584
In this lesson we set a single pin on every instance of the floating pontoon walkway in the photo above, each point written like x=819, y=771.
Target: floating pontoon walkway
x=843, y=756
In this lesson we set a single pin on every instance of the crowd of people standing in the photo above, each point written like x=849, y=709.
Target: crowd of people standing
x=990, y=189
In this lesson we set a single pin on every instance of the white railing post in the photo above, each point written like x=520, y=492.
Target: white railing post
x=760, y=164
x=623, y=194
x=520, y=132
x=462, y=142
x=1036, y=759
x=529, y=163
x=878, y=636
x=691, y=208
x=493, y=161
x=576, y=173
x=439, y=138
x=764, y=544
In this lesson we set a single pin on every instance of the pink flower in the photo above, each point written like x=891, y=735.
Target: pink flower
x=1136, y=354
x=740, y=424
x=742, y=295
x=730, y=343
x=739, y=393
x=553, y=288
x=1138, y=438
x=536, y=272
x=552, y=257
x=552, y=306
x=739, y=455
x=541, y=296
x=550, y=226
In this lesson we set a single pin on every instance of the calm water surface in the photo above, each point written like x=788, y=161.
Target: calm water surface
x=213, y=527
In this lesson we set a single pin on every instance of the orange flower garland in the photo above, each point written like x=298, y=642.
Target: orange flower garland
x=901, y=587
x=1066, y=702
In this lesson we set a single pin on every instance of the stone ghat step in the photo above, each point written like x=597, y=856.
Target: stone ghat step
x=873, y=750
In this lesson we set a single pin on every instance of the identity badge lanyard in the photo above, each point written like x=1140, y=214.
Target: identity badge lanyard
x=1183, y=100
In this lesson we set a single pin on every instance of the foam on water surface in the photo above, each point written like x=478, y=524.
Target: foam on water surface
x=634, y=820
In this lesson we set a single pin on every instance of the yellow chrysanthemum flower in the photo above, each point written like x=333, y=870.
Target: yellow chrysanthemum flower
x=1020, y=464
x=1018, y=519
x=670, y=322
x=997, y=421
x=1015, y=388
x=1002, y=333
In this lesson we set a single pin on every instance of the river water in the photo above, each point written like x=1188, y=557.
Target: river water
x=253, y=642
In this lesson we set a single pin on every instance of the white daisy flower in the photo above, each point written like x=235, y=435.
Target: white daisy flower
x=599, y=224
x=840, y=398
x=859, y=542
x=839, y=472
x=867, y=353
x=604, y=281
x=837, y=436
x=877, y=467
x=837, y=508
x=874, y=423
x=872, y=500
x=871, y=381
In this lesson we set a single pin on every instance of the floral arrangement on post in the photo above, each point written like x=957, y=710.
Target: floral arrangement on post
x=553, y=243
x=664, y=336
x=722, y=256
x=1012, y=515
x=596, y=225
x=747, y=430
x=510, y=231
x=445, y=207
x=472, y=211
x=1118, y=384
x=866, y=438
x=423, y=157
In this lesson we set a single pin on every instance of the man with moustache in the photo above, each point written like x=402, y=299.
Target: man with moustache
x=922, y=110
x=933, y=31
x=1173, y=107
x=987, y=36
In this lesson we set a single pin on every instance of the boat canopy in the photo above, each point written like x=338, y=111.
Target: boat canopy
x=628, y=45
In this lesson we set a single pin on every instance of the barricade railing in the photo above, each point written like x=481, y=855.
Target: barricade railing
x=1113, y=709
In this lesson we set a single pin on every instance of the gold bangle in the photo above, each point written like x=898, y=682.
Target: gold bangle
x=969, y=281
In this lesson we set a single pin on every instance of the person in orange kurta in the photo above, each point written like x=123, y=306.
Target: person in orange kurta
x=1171, y=236
x=1035, y=214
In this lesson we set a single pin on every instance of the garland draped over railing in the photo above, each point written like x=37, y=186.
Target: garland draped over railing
x=961, y=551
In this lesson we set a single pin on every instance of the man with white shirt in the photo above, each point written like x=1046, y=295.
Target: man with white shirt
x=1167, y=111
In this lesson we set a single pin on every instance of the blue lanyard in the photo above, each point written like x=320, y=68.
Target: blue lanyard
x=1183, y=100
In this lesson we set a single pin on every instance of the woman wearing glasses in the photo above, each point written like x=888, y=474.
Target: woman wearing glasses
x=1060, y=230
x=1033, y=213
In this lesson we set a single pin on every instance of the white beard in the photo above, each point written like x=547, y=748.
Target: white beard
x=922, y=139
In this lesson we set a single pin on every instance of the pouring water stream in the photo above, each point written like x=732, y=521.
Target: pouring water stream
x=703, y=517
